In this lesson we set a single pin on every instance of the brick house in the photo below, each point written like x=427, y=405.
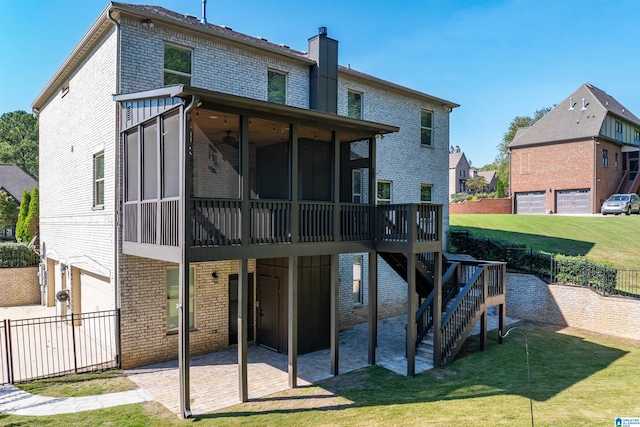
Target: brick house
x=458, y=173
x=576, y=156
x=231, y=191
x=14, y=181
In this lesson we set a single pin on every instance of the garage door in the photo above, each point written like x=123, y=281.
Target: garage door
x=573, y=201
x=531, y=203
x=96, y=293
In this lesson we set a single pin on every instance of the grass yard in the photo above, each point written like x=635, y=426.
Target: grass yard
x=578, y=379
x=602, y=238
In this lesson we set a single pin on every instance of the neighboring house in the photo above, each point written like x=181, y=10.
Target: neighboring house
x=490, y=178
x=576, y=156
x=458, y=173
x=14, y=181
x=233, y=178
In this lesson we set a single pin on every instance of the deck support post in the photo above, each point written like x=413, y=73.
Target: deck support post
x=335, y=314
x=373, y=306
x=293, y=322
x=243, y=296
x=411, y=314
x=437, y=309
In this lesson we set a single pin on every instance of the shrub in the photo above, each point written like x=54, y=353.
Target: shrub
x=17, y=255
x=22, y=230
x=581, y=271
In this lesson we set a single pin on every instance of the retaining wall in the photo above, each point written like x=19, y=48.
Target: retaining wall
x=482, y=206
x=530, y=298
x=19, y=286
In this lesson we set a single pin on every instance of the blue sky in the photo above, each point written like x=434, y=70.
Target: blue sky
x=498, y=59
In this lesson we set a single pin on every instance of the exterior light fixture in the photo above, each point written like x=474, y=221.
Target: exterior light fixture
x=216, y=279
x=148, y=23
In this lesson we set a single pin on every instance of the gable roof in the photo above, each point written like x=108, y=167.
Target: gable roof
x=188, y=23
x=581, y=120
x=14, y=181
x=456, y=158
x=488, y=176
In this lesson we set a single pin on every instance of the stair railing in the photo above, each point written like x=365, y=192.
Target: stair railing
x=424, y=315
x=455, y=326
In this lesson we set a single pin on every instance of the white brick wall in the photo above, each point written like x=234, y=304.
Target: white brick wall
x=217, y=66
x=72, y=129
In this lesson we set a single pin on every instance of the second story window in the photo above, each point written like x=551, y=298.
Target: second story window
x=426, y=123
x=177, y=65
x=277, y=87
x=354, y=105
x=618, y=131
x=605, y=158
x=384, y=193
x=98, y=177
x=462, y=174
x=636, y=137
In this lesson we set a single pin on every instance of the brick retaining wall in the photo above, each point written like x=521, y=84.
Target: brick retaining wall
x=530, y=298
x=19, y=286
x=482, y=206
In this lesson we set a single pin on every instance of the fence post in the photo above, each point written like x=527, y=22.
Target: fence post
x=604, y=280
x=73, y=339
x=9, y=350
x=118, y=342
x=551, y=266
x=586, y=273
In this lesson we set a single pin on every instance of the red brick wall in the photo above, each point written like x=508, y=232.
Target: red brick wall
x=566, y=166
x=482, y=206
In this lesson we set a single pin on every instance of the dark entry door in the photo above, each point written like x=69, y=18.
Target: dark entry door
x=268, y=312
x=233, y=309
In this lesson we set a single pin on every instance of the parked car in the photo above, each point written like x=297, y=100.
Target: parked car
x=621, y=203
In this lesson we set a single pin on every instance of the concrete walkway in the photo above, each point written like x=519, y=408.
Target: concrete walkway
x=17, y=402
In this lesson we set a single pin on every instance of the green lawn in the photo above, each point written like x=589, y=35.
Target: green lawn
x=602, y=238
x=578, y=379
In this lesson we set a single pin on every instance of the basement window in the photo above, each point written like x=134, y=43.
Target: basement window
x=173, y=290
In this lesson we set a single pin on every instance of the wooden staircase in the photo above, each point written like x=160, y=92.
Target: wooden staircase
x=468, y=289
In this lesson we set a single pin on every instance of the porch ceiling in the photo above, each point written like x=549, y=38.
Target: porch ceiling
x=349, y=129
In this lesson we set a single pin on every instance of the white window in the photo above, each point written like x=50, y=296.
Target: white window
x=425, y=193
x=426, y=127
x=356, y=181
x=277, y=87
x=354, y=104
x=173, y=289
x=357, y=280
x=177, y=65
x=384, y=193
x=98, y=179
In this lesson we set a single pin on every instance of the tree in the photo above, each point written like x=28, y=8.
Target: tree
x=500, y=189
x=8, y=210
x=19, y=141
x=477, y=184
x=502, y=158
x=22, y=232
x=32, y=222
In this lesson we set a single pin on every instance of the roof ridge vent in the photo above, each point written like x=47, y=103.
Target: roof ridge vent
x=186, y=15
x=226, y=27
x=262, y=38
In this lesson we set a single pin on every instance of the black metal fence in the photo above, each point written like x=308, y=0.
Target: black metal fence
x=549, y=267
x=47, y=347
x=14, y=255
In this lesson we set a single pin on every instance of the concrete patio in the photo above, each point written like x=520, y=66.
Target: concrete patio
x=214, y=376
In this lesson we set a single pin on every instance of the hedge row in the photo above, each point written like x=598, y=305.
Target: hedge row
x=17, y=255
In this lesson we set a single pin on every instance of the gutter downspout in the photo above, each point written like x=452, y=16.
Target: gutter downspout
x=116, y=194
x=183, y=295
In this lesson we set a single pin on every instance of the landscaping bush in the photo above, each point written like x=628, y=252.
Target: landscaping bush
x=581, y=271
x=17, y=255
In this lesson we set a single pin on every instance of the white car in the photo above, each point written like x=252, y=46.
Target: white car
x=621, y=203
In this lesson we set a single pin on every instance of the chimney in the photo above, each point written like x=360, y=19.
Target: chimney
x=323, y=75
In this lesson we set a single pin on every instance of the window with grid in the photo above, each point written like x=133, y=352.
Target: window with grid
x=177, y=65
x=426, y=127
x=173, y=289
x=98, y=179
x=618, y=131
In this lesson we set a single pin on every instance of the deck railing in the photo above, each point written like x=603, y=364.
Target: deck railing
x=216, y=222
